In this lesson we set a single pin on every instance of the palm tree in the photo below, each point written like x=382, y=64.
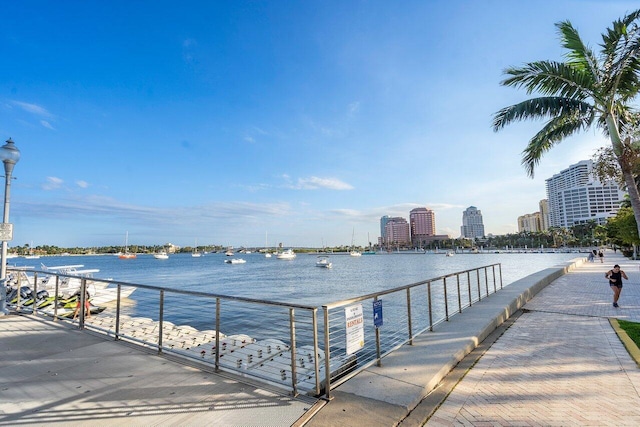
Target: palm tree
x=587, y=89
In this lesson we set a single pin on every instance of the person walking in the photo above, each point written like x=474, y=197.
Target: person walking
x=601, y=256
x=615, y=276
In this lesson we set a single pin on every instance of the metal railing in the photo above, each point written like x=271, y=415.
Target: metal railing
x=277, y=343
x=408, y=311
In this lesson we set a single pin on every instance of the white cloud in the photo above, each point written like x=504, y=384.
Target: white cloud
x=52, y=183
x=82, y=184
x=315, y=183
x=46, y=124
x=32, y=108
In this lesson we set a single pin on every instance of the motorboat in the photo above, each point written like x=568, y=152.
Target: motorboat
x=355, y=253
x=286, y=254
x=235, y=261
x=161, y=255
x=323, y=262
x=449, y=253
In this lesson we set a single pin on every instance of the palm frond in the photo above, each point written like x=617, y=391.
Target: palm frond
x=551, y=78
x=542, y=107
x=579, y=55
x=551, y=134
x=612, y=37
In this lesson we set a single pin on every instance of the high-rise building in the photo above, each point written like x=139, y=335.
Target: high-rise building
x=397, y=232
x=423, y=225
x=472, y=226
x=544, y=215
x=530, y=222
x=383, y=226
x=576, y=196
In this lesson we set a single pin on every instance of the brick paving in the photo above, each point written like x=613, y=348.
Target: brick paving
x=560, y=363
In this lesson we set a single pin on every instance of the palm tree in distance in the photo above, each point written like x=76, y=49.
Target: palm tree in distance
x=587, y=89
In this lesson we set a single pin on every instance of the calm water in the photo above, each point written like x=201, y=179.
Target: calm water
x=298, y=280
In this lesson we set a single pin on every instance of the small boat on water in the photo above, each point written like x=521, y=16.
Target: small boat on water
x=161, y=255
x=449, y=253
x=235, y=261
x=323, y=262
x=286, y=254
x=127, y=254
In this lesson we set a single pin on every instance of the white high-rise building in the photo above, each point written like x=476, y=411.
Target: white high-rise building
x=472, y=226
x=576, y=197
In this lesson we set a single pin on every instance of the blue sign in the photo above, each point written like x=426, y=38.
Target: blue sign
x=377, y=313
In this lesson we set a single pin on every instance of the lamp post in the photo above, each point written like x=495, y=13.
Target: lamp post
x=9, y=154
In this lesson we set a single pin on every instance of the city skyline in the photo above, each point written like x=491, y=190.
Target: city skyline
x=251, y=124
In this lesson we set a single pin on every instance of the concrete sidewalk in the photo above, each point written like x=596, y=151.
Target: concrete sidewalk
x=561, y=359
x=51, y=373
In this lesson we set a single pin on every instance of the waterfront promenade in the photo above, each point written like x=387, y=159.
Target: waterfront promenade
x=557, y=363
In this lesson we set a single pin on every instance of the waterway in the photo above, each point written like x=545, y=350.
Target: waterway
x=298, y=280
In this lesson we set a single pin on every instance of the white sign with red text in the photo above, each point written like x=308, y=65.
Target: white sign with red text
x=355, y=328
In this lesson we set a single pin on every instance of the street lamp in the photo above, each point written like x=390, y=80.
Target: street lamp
x=9, y=154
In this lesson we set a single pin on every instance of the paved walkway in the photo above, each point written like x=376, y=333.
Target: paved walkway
x=560, y=363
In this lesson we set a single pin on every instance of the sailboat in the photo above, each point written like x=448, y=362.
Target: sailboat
x=126, y=254
x=195, y=252
x=266, y=246
x=353, y=251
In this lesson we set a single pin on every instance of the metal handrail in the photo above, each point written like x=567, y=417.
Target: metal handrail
x=337, y=367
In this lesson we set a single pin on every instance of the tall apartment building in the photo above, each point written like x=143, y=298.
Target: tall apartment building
x=576, y=197
x=544, y=215
x=530, y=222
x=397, y=232
x=472, y=225
x=383, y=226
x=423, y=225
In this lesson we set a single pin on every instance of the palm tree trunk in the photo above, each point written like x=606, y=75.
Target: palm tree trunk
x=625, y=167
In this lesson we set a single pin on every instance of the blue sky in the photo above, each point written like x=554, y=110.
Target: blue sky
x=300, y=122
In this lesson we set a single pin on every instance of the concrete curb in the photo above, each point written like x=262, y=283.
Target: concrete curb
x=631, y=346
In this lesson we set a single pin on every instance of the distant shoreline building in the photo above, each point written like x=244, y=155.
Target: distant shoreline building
x=423, y=226
x=576, y=196
x=472, y=225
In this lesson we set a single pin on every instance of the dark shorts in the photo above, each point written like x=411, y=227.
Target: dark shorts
x=613, y=285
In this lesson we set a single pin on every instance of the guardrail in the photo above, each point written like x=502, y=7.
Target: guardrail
x=274, y=342
x=408, y=311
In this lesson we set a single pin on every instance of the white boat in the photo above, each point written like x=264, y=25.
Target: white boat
x=161, y=255
x=353, y=251
x=195, y=253
x=235, y=261
x=323, y=262
x=266, y=246
x=449, y=253
x=286, y=254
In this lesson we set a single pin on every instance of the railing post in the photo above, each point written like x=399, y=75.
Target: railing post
x=83, y=298
x=446, y=301
x=459, y=296
x=479, y=289
x=486, y=280
x=327, y=355
x=217, y=362
x=160, y=321
x=118, y=287
x=430, y=310
x=35, y=291
x=378, y=358
x=292, y=331
x=500, y=271
x=316, y=362
x=55, y=300
x=410, y=325
x=469, y=286
x=493, y=273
